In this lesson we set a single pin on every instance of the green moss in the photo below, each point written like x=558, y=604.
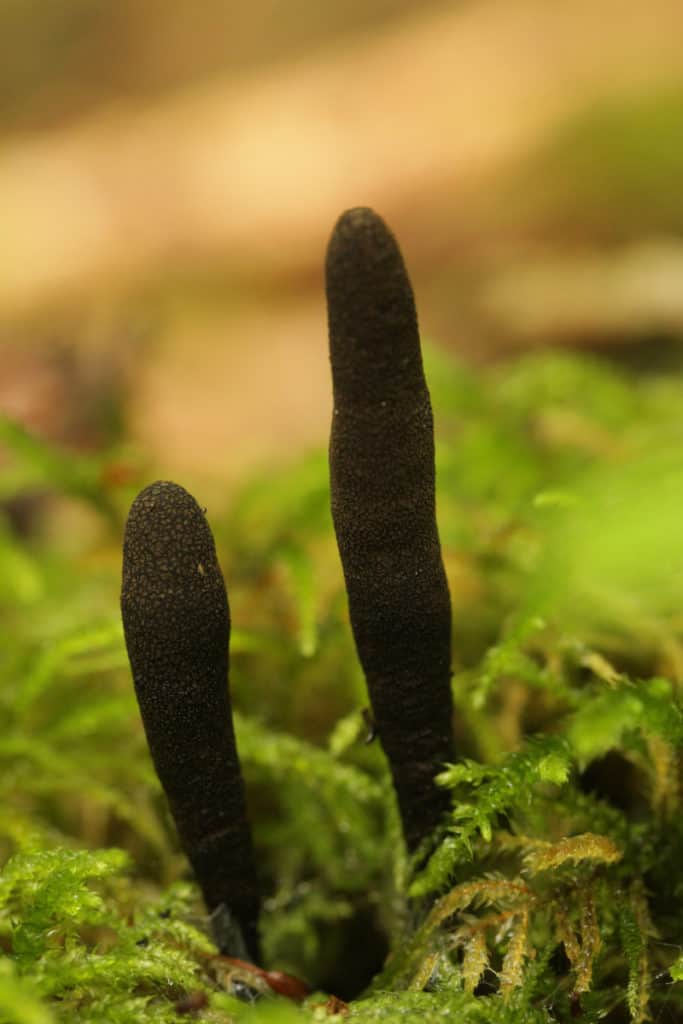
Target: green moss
x=559, y=879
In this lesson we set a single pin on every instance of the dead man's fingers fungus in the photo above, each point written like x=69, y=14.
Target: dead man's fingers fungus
x=383, y=506
x=177, y=627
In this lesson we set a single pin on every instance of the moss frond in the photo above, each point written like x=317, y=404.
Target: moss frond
x=554, y=887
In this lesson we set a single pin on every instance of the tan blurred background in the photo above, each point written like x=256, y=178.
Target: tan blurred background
x=170, y=172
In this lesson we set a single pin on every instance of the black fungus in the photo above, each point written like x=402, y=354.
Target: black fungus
x=383, y=506
x=177, y=627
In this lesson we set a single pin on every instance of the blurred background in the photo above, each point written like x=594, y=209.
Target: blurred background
x=170, y=173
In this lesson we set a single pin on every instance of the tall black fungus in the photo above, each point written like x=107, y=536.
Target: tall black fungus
x=177, y=626
x=383, y=506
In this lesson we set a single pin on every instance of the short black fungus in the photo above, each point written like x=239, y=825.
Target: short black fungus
x=383, y=506
x=177, y=627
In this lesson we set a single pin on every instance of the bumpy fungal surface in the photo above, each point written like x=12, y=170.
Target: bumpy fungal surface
x=177, y=627
x=383, y=506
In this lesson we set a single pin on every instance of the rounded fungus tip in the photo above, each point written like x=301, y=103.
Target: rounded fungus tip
x=176, y=622
x=383, y=507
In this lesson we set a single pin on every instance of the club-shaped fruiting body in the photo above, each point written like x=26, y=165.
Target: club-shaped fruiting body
x=383, y=506
x=177, y=627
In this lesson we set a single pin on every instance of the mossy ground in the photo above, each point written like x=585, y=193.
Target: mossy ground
x=556, y=891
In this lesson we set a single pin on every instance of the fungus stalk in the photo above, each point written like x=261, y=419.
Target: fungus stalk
x=383, y=507
x=177, y=627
